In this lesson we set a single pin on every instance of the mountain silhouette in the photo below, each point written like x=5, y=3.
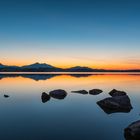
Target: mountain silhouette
x=80, y=69
x=43, y=67
x=38, y=65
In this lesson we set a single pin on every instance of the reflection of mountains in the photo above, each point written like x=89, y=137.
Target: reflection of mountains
x=38, y=77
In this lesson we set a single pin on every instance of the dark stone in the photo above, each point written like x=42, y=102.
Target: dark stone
x=116, y=104
x=6, y=96
x=132, y=132
x=95, y=91
x=58, y=94
x=115, y=92
x=80, y=92
x=45, y=97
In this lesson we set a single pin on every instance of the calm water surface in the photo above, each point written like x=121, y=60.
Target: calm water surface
x=77, y=117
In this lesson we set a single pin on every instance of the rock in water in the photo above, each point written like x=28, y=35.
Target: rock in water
x=95, y=91
x=115, y=104
x=132, y=132
x=6, y=96
x=80, y=92
x=58, y=94
x=115, y=92
x=45, y=97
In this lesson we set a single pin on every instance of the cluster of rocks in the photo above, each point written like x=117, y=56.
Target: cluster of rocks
x=118, y=102
x=58, y=94
x=61, y=94
x=92, y=92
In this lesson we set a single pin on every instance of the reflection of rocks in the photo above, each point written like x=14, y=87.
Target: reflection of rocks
x=115, y=104
x=58, y=94
x=6, y=96
x=80, y=92
x=115, y=92
x=132, y=132
x=45, y=97
x=95, y=91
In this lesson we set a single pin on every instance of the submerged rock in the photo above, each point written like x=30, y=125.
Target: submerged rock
x=6, y=96
x=45, y=97
x=58, y=94
x=132, y=132
x=80, y=91
x=95, y=91
x=115, y=92
x=115, y=104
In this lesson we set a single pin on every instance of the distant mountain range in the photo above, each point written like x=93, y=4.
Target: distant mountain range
x=38, y=65
x=43, y=67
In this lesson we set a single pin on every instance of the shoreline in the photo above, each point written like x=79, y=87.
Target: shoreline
x=67, y=73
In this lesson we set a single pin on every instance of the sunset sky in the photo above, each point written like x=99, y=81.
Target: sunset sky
x=66, y=33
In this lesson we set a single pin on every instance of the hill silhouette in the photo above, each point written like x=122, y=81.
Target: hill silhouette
x=43, y=67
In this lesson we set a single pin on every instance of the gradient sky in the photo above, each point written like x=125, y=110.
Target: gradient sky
x=65, y=33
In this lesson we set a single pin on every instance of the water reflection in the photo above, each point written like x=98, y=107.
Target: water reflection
x=35, y=77
x=38, y=77
x=79, y=116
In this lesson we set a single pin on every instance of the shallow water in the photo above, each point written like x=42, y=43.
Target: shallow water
x=77, y=117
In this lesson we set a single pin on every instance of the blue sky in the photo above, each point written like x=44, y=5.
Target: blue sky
x=95, y=33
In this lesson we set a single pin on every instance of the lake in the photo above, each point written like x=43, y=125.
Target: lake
x=76, y=117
